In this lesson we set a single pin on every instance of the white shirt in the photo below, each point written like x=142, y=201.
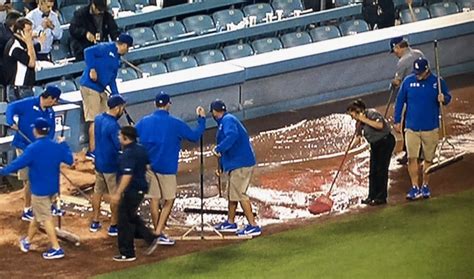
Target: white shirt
x=36, y=16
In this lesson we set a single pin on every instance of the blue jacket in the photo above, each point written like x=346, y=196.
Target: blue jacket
x=43, y=158
x=28, y=110
x=421, y=99
x=161, y=135
x=233, y=143
x=107, y=145
x=105, y=59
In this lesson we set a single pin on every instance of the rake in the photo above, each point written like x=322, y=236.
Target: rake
x=443, y=161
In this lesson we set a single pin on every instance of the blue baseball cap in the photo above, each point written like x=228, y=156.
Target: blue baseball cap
x=162, y=99
x=52, y=91
x=125, y=39
x=395, y=41
x=41, y=124
x=420, y=65
x=218, y=105
x=115, y=100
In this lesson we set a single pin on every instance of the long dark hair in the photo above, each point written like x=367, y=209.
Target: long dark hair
x=357, y=106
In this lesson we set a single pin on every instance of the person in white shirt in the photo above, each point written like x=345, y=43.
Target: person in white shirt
x=5, y=7
x=45, y=23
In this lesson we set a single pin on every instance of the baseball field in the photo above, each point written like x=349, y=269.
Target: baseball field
x=298, y=153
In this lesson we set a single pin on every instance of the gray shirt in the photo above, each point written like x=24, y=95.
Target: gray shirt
x=371, y=134
x=405, y=63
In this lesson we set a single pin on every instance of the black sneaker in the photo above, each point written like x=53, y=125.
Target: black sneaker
x=366, y=201
x=153, y=246
x=122, y=258
x=403, y=160
x=377, y=202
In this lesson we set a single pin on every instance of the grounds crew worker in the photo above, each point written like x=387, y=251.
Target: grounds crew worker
x=106, y=160
x=237, y=159
x=161, y=134
x=419, y=91
x=406, y=56
x=130, y=192
x=28, y=110
x=43, y=158
x=102, y=64
x=377, y=132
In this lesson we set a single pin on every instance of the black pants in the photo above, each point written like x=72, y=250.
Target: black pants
x=380, y=154
x=130, y=224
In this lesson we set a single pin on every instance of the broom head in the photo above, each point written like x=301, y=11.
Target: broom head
x=321, y=205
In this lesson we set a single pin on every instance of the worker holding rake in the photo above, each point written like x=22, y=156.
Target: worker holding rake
x=377, y=132
x=43, y=158
x=419, y=91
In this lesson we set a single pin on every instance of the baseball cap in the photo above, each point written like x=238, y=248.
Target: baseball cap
x=41, y=124
x=218, y=105
x=162, y=99
x=420, y=65
x=395, y=41
x=101, y=5
x=52, y=91
x=125, y=39
x=115, y=100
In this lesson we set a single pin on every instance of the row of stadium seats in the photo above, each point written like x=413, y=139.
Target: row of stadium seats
x=434, y=10
x=234, y=51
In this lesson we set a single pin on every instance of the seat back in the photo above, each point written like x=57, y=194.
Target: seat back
x=126, y=74
x=199, y=23
x=59, y=51
x=353, y=27
x=168, y=31
x=258, y=10
x=324, y=33
x=442, y=9
x=266, y=45
x=180, y=63
x=420, y=13
x=237, y=51
x=295, y=39
x=466, y=4
x=288, y=6
x=209, y=57
x=153, y=68
x=64, y=85
x=142, y=36
x=67, y=12
x=130, y=5
x=225, y=17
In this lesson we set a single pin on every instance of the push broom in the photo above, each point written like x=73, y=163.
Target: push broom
x=458, y=155
x=324, y=203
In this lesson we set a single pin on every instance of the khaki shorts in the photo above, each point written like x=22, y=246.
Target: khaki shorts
x=41, y=207
x=23, y=173
x=426, y=140
x=161, y=186
x=238, y=183
x=105, y=183
x=93, y=103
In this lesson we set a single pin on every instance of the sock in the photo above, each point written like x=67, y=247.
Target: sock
x=25, y=209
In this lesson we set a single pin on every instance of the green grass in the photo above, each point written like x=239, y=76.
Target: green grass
x=425, y=239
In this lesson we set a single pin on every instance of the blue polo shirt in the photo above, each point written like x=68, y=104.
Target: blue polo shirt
x=104, y=58
x=161, y=135
x=233, y=143
x=28, y=110
x=133, y=162
x=107, y=147
x=43, y=158
x=421, y=99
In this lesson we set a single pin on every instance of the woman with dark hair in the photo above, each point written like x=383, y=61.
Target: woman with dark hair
x=375, y=129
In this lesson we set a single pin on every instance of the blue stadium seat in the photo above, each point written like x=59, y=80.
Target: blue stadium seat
x=169, y=31
x=295, y=39
x=129, y=5
x=288, y=6
x=114, y=4
x=420, y=13
x=64, y=3
x=442, y=9
x=18, y=5
x=67, y=12
x=324, y=33
x=341, y=3
x=37, y=90
x=466, y=4
x=77, y=81
x=259, y=10
x=200, y=24
x=266, y=45
x=237, y=51
x=209, y=57
x=59, y=51
x=64, y=85
x=225, y=17
x=153, y=68
x=142, y=36
x=402, y=4
x=126, y=74
x=353, y=27
x=180, y=63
